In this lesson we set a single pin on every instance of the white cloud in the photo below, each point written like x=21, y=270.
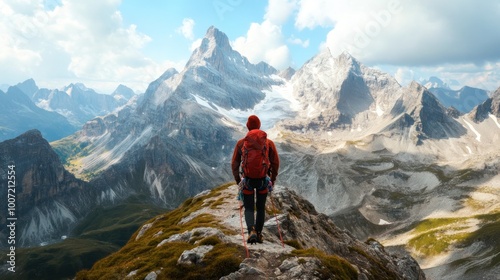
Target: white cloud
x=187, y=28
x=404, y=75
x=196, y=43
x=76, y=40
x=313, y=13
x=278, y=11
x=416, y=34
x=297, y=41
x=408, y=32
x=264, y=42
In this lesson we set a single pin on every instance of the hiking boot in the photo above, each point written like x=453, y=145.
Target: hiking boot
x=252, y=238
x=260, y=238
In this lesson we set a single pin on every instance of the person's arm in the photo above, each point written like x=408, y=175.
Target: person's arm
x=275, y=161
x=235, y=162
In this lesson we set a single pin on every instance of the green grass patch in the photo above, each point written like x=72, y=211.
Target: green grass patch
x=334, y=267
x=217, y=203
x=377, y=269
x=436, y=242
x=222, y=260
x=294, y=243
x=67, y=147
x=488, y=233
x=432, y=224
x=435, y=236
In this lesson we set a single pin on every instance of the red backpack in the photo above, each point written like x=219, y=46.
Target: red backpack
x=255, y=154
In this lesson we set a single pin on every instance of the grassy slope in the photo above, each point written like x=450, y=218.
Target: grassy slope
x=437, y=236
x=143, y=255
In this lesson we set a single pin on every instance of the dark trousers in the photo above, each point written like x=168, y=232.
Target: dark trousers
x=260, y=205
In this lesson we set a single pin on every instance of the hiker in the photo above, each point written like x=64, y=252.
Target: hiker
x=259, y=170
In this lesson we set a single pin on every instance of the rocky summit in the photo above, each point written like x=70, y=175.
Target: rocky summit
x=202, y=239
x=45, y=191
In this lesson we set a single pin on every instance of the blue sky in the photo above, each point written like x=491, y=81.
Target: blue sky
x=103, y=43
x=162, y=20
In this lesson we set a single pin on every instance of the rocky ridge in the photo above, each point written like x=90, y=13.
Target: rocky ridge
x=207, y=225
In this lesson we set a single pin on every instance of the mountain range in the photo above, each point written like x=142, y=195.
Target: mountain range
x=381, y=159
x=464, y=99
x=55, y=113
x=19, y=114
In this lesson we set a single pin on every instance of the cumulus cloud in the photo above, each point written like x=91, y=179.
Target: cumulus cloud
x=279, y=11
x=264, y=42
x=313, y=13
x=408, y=32
x=297, y=41
x=187, y=28
x=74, y=40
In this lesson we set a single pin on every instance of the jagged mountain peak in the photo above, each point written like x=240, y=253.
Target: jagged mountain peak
x=490, y=106
x=422, y=95
x=29, y=87
x=435, y=82
x=214, y=45
x=333, y=90
x=416, y=95
x=31, y=136
x=496, y=94
x=216, y=51
x=153, y=86
x=217, y=38
x=415, y=85
x=80, y=86
x=122, y=91
x=419, y=110
x=288, y=73
x=218, y=75
x=495, y=97
x=77, y=88
x=347, y=59
x=204, y=233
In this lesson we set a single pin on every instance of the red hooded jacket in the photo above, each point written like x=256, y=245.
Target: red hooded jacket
x=254, y=123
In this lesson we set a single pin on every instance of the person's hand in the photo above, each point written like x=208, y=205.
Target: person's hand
x=270, y=186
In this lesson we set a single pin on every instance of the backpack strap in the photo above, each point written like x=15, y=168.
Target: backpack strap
x=250, y=184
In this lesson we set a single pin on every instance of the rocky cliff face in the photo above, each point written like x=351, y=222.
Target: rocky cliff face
x=49, y=199
x=202, y=238
x=418, y=110
x=335, y=90
x=490, y=106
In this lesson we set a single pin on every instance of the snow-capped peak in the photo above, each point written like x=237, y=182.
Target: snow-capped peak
x=435, y=82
